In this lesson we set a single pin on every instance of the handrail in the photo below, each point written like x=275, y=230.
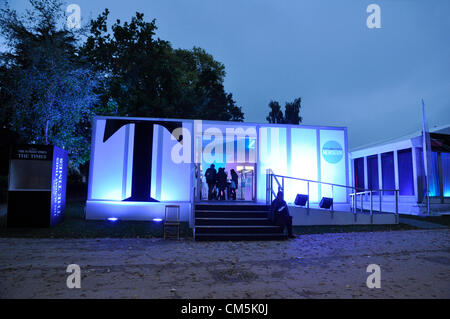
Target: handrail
x=374, y=191
x=381, y=195
x=270, y=192
x=365, y=190
x=276, y=180
x=356, y=191
x=312, y=181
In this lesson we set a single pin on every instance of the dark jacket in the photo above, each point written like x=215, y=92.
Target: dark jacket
x=278, y=208
x=211, y=175
x=221, y=179
x=235, y=178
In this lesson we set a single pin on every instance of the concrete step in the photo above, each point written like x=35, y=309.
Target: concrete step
x=231, y=207
x=230, y=214
x=237, y=229
x=231, y=221
x=234, y=222
x=236, y=237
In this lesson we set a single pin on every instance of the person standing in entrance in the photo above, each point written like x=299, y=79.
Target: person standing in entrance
x=221, y=182
x=234, y=183
x=211, y=175
x=280, y=214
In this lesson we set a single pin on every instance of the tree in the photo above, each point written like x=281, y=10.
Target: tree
x=275, y=115
x=5, y=96
x=147, y=78
x=291, y=112
x=50, y=94
x=51, y=84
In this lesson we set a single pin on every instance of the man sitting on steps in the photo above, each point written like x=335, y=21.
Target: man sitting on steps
x=280, y=214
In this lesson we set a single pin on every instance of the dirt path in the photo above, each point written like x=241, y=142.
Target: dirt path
x=414, y=264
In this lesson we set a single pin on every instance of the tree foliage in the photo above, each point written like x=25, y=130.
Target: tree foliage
x=291, y=112
x=147, y=77
x=275, y=115
x=52, y=83
x=50, y=94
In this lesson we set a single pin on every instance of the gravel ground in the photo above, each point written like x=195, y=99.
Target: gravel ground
x=414, y=264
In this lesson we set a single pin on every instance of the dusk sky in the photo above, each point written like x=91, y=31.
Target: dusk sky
x=370, y=80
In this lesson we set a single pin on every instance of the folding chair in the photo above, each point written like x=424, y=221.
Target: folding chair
x=172, y=220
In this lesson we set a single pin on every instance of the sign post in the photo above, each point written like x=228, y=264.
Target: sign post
x=37, y=186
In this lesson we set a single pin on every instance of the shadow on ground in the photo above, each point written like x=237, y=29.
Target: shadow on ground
x=75, y=226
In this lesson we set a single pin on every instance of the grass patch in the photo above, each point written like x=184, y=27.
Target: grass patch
x=75, y=226
x=322, y=229
x=442, y=220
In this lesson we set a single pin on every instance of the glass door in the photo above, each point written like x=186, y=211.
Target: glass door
x=246, y=190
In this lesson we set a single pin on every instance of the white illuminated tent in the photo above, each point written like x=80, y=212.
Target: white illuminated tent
x=399, y=164
x=128, y=183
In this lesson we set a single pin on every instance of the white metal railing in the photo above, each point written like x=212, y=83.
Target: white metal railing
x=363, y=194
x=270, y=192
x=271, y=177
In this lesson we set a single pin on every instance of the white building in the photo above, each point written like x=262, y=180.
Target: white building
x=308, y=152
x=140, y=165
x=398, y=164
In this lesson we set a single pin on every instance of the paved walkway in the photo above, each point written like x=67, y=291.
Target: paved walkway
x=414, y=264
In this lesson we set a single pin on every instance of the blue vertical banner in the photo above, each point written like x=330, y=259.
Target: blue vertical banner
x=59, y=184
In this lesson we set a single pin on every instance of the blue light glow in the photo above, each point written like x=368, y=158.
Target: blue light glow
x=303, y=164
x=434, y=189
x=271, y=154
x=157, y=220
x=331, y=170
x=113, y=219
x=445, y=158
x=112, y=164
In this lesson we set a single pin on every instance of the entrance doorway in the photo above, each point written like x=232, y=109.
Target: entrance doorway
x=232, y=150
x=245, y=190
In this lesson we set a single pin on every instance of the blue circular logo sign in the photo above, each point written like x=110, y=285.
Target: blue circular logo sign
x=332, y=152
